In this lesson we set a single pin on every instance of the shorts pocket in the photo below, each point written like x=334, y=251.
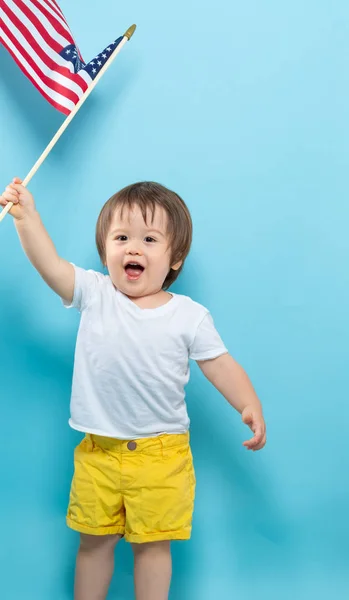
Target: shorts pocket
x=89, y=446
x=181, y=459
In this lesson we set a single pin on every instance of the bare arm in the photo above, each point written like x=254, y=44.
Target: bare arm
x=233, y=383
x=58, y=273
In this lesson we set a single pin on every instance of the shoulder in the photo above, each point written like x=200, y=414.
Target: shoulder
x=91, y=286
x=187, y=301
x=91, y=276
x=190, y=306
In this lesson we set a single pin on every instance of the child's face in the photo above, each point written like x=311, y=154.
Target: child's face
x=131, y=240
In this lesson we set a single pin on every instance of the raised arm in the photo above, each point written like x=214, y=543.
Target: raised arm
x=36, y=242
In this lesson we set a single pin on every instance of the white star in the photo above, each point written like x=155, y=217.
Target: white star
x=99, y=62
x=67, y=51
x=109, y=49
x=104, y=55
x=94, y=70
x=92, y=63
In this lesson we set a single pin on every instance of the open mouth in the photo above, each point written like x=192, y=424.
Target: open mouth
x=133, y=270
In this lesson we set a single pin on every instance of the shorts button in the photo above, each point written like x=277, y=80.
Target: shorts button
x=131, y=445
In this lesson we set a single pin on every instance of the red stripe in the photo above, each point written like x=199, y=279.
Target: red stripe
x=54, y=85
x=57, y=47
x=57, y=10
x=54, y=22
x=57, y=7
x=59, y=107
x=17, y=24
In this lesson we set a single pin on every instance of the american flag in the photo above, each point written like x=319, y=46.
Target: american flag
x=38, y=37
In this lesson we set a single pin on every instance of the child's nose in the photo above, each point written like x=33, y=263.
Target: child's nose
x=134, y=248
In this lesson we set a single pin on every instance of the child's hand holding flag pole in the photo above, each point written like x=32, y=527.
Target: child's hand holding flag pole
x=39, y=39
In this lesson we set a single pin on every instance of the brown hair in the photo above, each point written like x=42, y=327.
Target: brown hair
x=147, y=195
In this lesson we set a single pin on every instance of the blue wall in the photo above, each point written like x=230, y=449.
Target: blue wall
x=242, y=108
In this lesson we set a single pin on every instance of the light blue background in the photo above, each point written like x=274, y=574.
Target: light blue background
x=242, y=108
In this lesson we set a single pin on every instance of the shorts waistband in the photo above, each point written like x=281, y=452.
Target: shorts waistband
x=160, y=442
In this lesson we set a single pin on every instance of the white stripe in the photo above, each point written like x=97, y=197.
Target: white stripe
x=62, y=100
x=64, y=24
x=86, y=77
x=71, y=85
x=39, y=39
x=54, y=5
x=44, y=22
x=62, y=17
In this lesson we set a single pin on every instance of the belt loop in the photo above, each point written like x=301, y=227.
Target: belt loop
x=89, y=437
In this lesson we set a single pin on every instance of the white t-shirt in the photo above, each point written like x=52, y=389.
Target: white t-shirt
x=132, y=364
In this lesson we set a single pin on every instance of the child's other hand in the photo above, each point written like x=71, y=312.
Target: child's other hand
x=21, y=198
x=254, y=419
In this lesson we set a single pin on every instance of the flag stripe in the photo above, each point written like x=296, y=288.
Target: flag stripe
x=56, y=85
x=56, y=96
x=41, y=25
x=54, y=12
x=55, y=6
x=85, y=76
x=45, y=63
x=53, y=101
x=41, y=48
x=62, y=30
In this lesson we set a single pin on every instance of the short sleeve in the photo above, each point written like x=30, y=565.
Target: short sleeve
x=84, y=288
x=207, y=343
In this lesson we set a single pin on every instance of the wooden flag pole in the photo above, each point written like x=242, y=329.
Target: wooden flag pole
x=129, y=33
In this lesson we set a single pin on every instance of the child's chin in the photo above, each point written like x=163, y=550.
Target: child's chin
x=130, y=288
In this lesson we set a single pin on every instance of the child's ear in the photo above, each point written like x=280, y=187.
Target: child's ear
x=177, y=266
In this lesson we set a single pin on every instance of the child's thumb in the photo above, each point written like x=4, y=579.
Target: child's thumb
x=17, y=180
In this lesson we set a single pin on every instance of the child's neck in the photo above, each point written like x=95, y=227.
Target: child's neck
x=152, y=301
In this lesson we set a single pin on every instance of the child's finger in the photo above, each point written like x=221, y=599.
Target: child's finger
x=16, y=180
x=260, y=445
x=250, y=443
x=10, y=196
x=258, y=435
x=16, y=187
x=11, y=189
x=256, y=439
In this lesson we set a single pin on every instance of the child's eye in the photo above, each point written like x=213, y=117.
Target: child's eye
x=149, y=239
x=121, y=238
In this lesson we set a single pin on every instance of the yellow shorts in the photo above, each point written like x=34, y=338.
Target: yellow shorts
x=143, y=489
